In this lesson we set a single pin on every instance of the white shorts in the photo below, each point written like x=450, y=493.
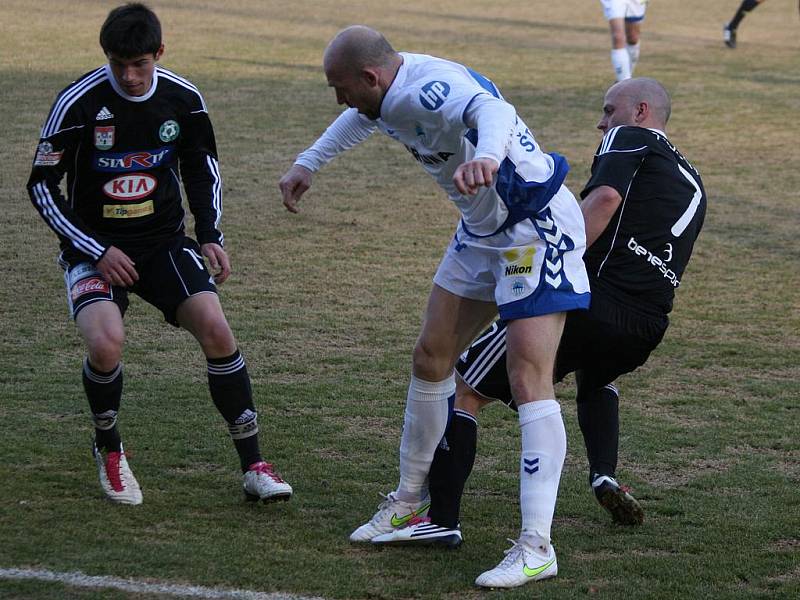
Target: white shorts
x=630, y=10
x=533, y=268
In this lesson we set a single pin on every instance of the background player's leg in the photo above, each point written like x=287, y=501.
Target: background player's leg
x=632, y=42
x=729, y=30
x=620, y=59
x=745, y=7
x=229, y=384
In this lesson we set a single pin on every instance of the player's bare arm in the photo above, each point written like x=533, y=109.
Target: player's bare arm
x=117, y=268
x=218, y=261
x=293, y=185
x=474, y=174
x=598, y=208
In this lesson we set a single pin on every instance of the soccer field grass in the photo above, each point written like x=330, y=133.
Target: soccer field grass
x=326, y=306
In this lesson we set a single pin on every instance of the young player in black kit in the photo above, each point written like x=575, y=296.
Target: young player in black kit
x=644, y=206
x=126, y=135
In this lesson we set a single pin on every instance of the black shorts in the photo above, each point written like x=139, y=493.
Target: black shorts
x=599, y=344
x=167, y=277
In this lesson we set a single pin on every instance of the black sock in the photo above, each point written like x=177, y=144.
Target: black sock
x=598, y=417
x=230, y=389
x=745, y=7
x=451, y=466
x=104, y=393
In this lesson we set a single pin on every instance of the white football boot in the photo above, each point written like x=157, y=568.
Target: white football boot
x=262, y=483
x=523, y=563
x=116, y=477
x=392, y=514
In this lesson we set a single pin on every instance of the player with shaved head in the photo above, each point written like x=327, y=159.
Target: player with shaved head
x=517, y=250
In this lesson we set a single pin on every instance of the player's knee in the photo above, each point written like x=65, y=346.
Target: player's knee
x=533, y=382
x=429, y=364
x=105, y=349
x=216, y=338
x=617, y=39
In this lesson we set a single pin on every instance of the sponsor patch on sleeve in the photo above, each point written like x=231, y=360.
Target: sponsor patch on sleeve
x=46, y=156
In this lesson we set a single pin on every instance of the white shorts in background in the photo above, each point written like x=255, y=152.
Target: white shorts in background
x=533, y=268
x=630, y=10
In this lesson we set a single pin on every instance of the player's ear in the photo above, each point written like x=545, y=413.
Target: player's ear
x=642, y=112
x=370, y=76
x=159, y=52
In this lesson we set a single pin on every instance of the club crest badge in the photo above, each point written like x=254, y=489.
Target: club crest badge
x=104, y=137
x=169, y=131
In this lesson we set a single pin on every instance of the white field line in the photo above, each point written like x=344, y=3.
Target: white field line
x=78, y=579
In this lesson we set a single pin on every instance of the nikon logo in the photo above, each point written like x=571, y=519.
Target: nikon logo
x=517, y=270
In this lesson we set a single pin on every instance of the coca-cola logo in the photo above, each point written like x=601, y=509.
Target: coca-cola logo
x=130, y=187
x=89, y=286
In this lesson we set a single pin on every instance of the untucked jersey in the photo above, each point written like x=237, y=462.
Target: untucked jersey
x=125, y=157
x=644, y=250
x=427, y=109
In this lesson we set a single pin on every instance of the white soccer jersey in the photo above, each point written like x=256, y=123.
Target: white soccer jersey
x=429, y=109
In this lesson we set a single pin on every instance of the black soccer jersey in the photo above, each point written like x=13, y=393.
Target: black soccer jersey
x=644, y=250
x=125, y=157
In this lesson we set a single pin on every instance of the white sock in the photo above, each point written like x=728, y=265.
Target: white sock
x=621, y=61
x=633, y=54
x=423, y=428
x=544, y=447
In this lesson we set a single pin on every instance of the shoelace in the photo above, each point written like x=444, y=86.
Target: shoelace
x=512, y=554
x=112, y=471
x=383, y=507
x=265, y=468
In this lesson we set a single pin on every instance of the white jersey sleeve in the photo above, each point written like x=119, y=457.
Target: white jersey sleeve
x=349, y=129
x=495, y=121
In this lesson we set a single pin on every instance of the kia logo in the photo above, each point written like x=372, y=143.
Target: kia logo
x=130, y=187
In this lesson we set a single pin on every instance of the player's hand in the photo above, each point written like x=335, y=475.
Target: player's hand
x=294, y=184
x=117, y=268
x=218, y=261
x=474, y=174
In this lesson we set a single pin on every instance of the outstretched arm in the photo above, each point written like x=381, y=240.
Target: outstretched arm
x=348, y=130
